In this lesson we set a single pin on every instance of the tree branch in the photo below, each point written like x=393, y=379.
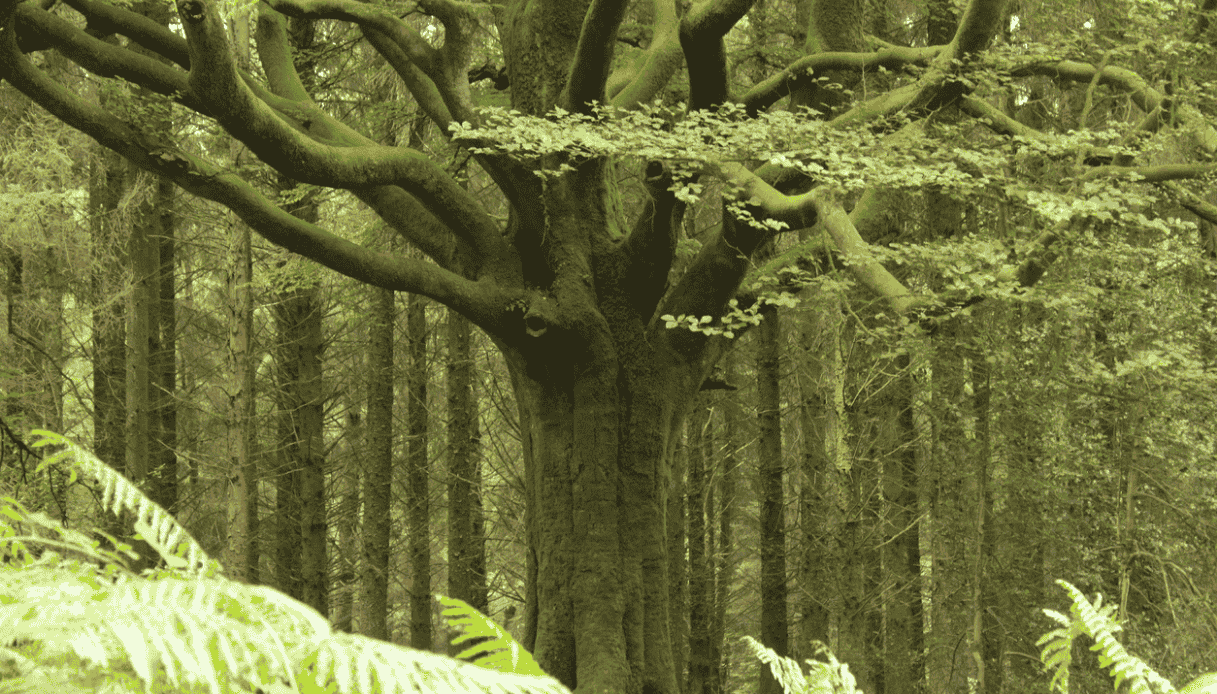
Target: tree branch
x=1144, y=96
x=106, y=19
x=937, y=87
x=1194, y=203
x=593, y=55
x=213, y=78
x=715, y=274
x=481, y=302
x=446, y=67
x=793, y=77
x=106, y=59
x=364, y=15
x=657, y=65
x=1151, y=174
x=650, y=248
x=439, y=83
x=857, y=253
x=701, y=38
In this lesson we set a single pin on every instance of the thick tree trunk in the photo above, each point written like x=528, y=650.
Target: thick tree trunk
x=596, y=442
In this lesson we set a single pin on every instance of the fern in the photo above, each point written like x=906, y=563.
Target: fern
x=832, y=677
x=499, y=652
x=92, y=625
x=1095, y=621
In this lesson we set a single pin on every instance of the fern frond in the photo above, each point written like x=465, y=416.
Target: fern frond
x=832, y=677
x=498, y=652
x=158, y=528
x=189, y=626
x=1204, y=684
x=1096, y=621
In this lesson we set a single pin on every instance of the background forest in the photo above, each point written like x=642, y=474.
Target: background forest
x=904, y=489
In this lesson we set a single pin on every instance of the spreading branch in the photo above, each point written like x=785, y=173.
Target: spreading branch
x=802, y=71
x=938, y=87
x=645, y=77
x=214, y=79
x=1152, y=174
x=701, y=38
x=593, y=55
x=857, y=253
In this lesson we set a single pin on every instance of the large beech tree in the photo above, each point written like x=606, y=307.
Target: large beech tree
x=571, y=289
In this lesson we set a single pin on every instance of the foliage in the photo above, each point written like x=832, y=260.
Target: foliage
x=71, y=611
x=1096, y=621
x=832, y=677
x=498, y=651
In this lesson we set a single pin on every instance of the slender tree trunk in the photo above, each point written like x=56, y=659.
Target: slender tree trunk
x=899, y=555
x=145, y=264
x=982, y=452
x=816, y=541
x=465, y=541
x=242, y=547
x=348, y=522
x=163, y=366
x=678, y=561
x=699, y=570
x=288, y=537
x=378, y=473
x=418, y=468
x=107, y=185
x=314, y=558
x=773, y=525
x=302, y=474
x=726, y=561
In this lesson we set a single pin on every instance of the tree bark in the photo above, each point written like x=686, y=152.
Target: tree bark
x=378, y=473
x=242, y=549
x=464, y=470
x=699, y=557
x=774, y=628
x=418, y=475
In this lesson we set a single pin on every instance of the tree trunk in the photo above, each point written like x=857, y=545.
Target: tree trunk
x=678, y=562
x=699, y=570
x=726, y=563
x=899, y=555
x=774, y=632
x=596, y=442
x=347, y=519
x=242, y=546
x=419, y=499
x=464, y=471
x=378, y=474
x=107, y=184
x=163, y=359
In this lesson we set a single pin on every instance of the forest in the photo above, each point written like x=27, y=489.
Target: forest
x=705, y=346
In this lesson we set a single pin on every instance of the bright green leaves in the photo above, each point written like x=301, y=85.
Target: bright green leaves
x=1096, y=621
x=734, y=319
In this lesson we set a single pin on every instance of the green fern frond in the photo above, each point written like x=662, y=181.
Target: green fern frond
x=498, y=652
x=157, y=527
x=1096, y=621
x=188, y=626
x=832, y=677
x=1204, y=684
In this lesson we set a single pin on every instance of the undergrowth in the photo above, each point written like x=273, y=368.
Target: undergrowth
x=75, y=617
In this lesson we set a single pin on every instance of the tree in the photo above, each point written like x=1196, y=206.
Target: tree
x=576, y=286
